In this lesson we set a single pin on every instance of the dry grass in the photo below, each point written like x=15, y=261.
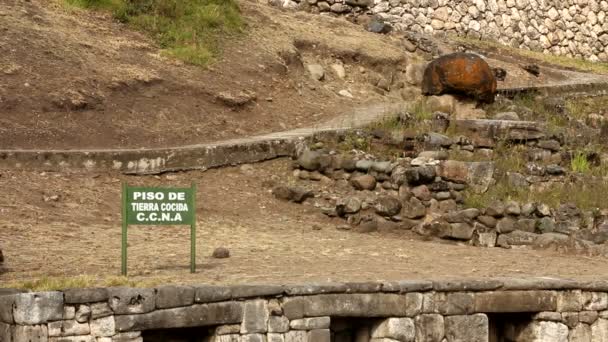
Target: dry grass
x=562, y=61
x=83, y=281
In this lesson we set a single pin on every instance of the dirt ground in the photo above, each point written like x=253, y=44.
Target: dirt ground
x=270, y=241
x=78, y=79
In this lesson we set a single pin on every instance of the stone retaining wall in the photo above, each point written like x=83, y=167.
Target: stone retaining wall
x=576, y=28
x=534, y=309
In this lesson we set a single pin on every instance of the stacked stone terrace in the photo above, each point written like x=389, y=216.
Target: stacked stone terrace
x=575, y=28
x=539, y=309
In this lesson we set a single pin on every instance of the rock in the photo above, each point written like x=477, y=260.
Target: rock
x=235, y=99
x=349, y=205
x=488, y=221
x=339, y=70
x=507, y=116
x=414, y=73
x=293, y=194
x=316, y=71
x=443, y=103
x=388, y=206
x=345, y=93
x=364, y=165
x=435, y=139
x=470, y=328
x=505, y=225
x=364, y=182
x=400, y=329
x=526, y=225
x=516, y=238
x=33, y=308
x=458, y=231
x=339, y=8
x=460, y=73
x=377, y=25
x=484, y=238
x=220, y=253
x=546, y=225
x=552, y=145
x=313, y=160
x=478, y=175
x=496, y=209
x=544, y=331
x=422, y=192
x=543, y=210
x=413, y=209
x=360, y=3
x=532, y=69
x=512, y=208
x=549, y=239
x=429, y=327
x=555, y=170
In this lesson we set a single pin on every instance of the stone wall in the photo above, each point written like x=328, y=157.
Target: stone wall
x=522, y=310
x=576, y=28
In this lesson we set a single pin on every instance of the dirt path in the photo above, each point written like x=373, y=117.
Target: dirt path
x=270, y=241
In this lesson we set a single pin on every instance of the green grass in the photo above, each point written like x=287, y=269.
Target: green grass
x=580, y=163
x=562, y=61
x=189, y=30
x=580, y=108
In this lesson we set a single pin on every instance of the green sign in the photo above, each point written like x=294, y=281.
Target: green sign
x=158, y=206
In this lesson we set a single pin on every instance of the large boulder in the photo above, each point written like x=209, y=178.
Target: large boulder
x=460, y=73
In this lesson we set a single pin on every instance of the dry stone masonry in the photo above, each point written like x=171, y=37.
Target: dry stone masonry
x=576, y=28
x=519, y=310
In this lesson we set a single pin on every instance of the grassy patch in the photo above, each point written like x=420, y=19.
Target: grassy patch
x=84, y=281
x=189, y=30
x=563, y=61
x=580, y=163
x=580, y=108
x=587, y=195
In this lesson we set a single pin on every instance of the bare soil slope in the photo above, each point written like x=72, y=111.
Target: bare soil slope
x=79, y=79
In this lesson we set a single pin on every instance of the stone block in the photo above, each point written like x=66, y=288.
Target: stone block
x=103, y=327
x=278, y=324
x=84, y=338
x=255, y=291
x=276, y=338
x=588, y=317
x=319, y=335
x=570, y=319
x=515, y=301
x=569, y=300
x=467, y=285
x=544, y=332
x=227, y=338
x=228, y=329
x=296, y=336
x=310, y=323
x=400, y=329
x=594, y=301
x=83, y=314
x=315, y=288
x=38, y=307
x=414, y=303
x=458, y=303
x=68, y=328
x=346, y=305
x=6, y=309
x=133, y=336
x=211, y=294
x=84, y=296
x=255, y=317
x=69, y=312
x=580, y=333
x=429, y=328
x=126, y=300
x=99, y=310
x=253, y=338
x=599, y=330
x=30, y=333
x=548, y=316
x=407, y=286
x=6, y=333
x=173, y=296
x=191, y=316
x=468, y=328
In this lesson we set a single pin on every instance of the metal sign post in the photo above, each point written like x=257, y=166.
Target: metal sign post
x=158, y=206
